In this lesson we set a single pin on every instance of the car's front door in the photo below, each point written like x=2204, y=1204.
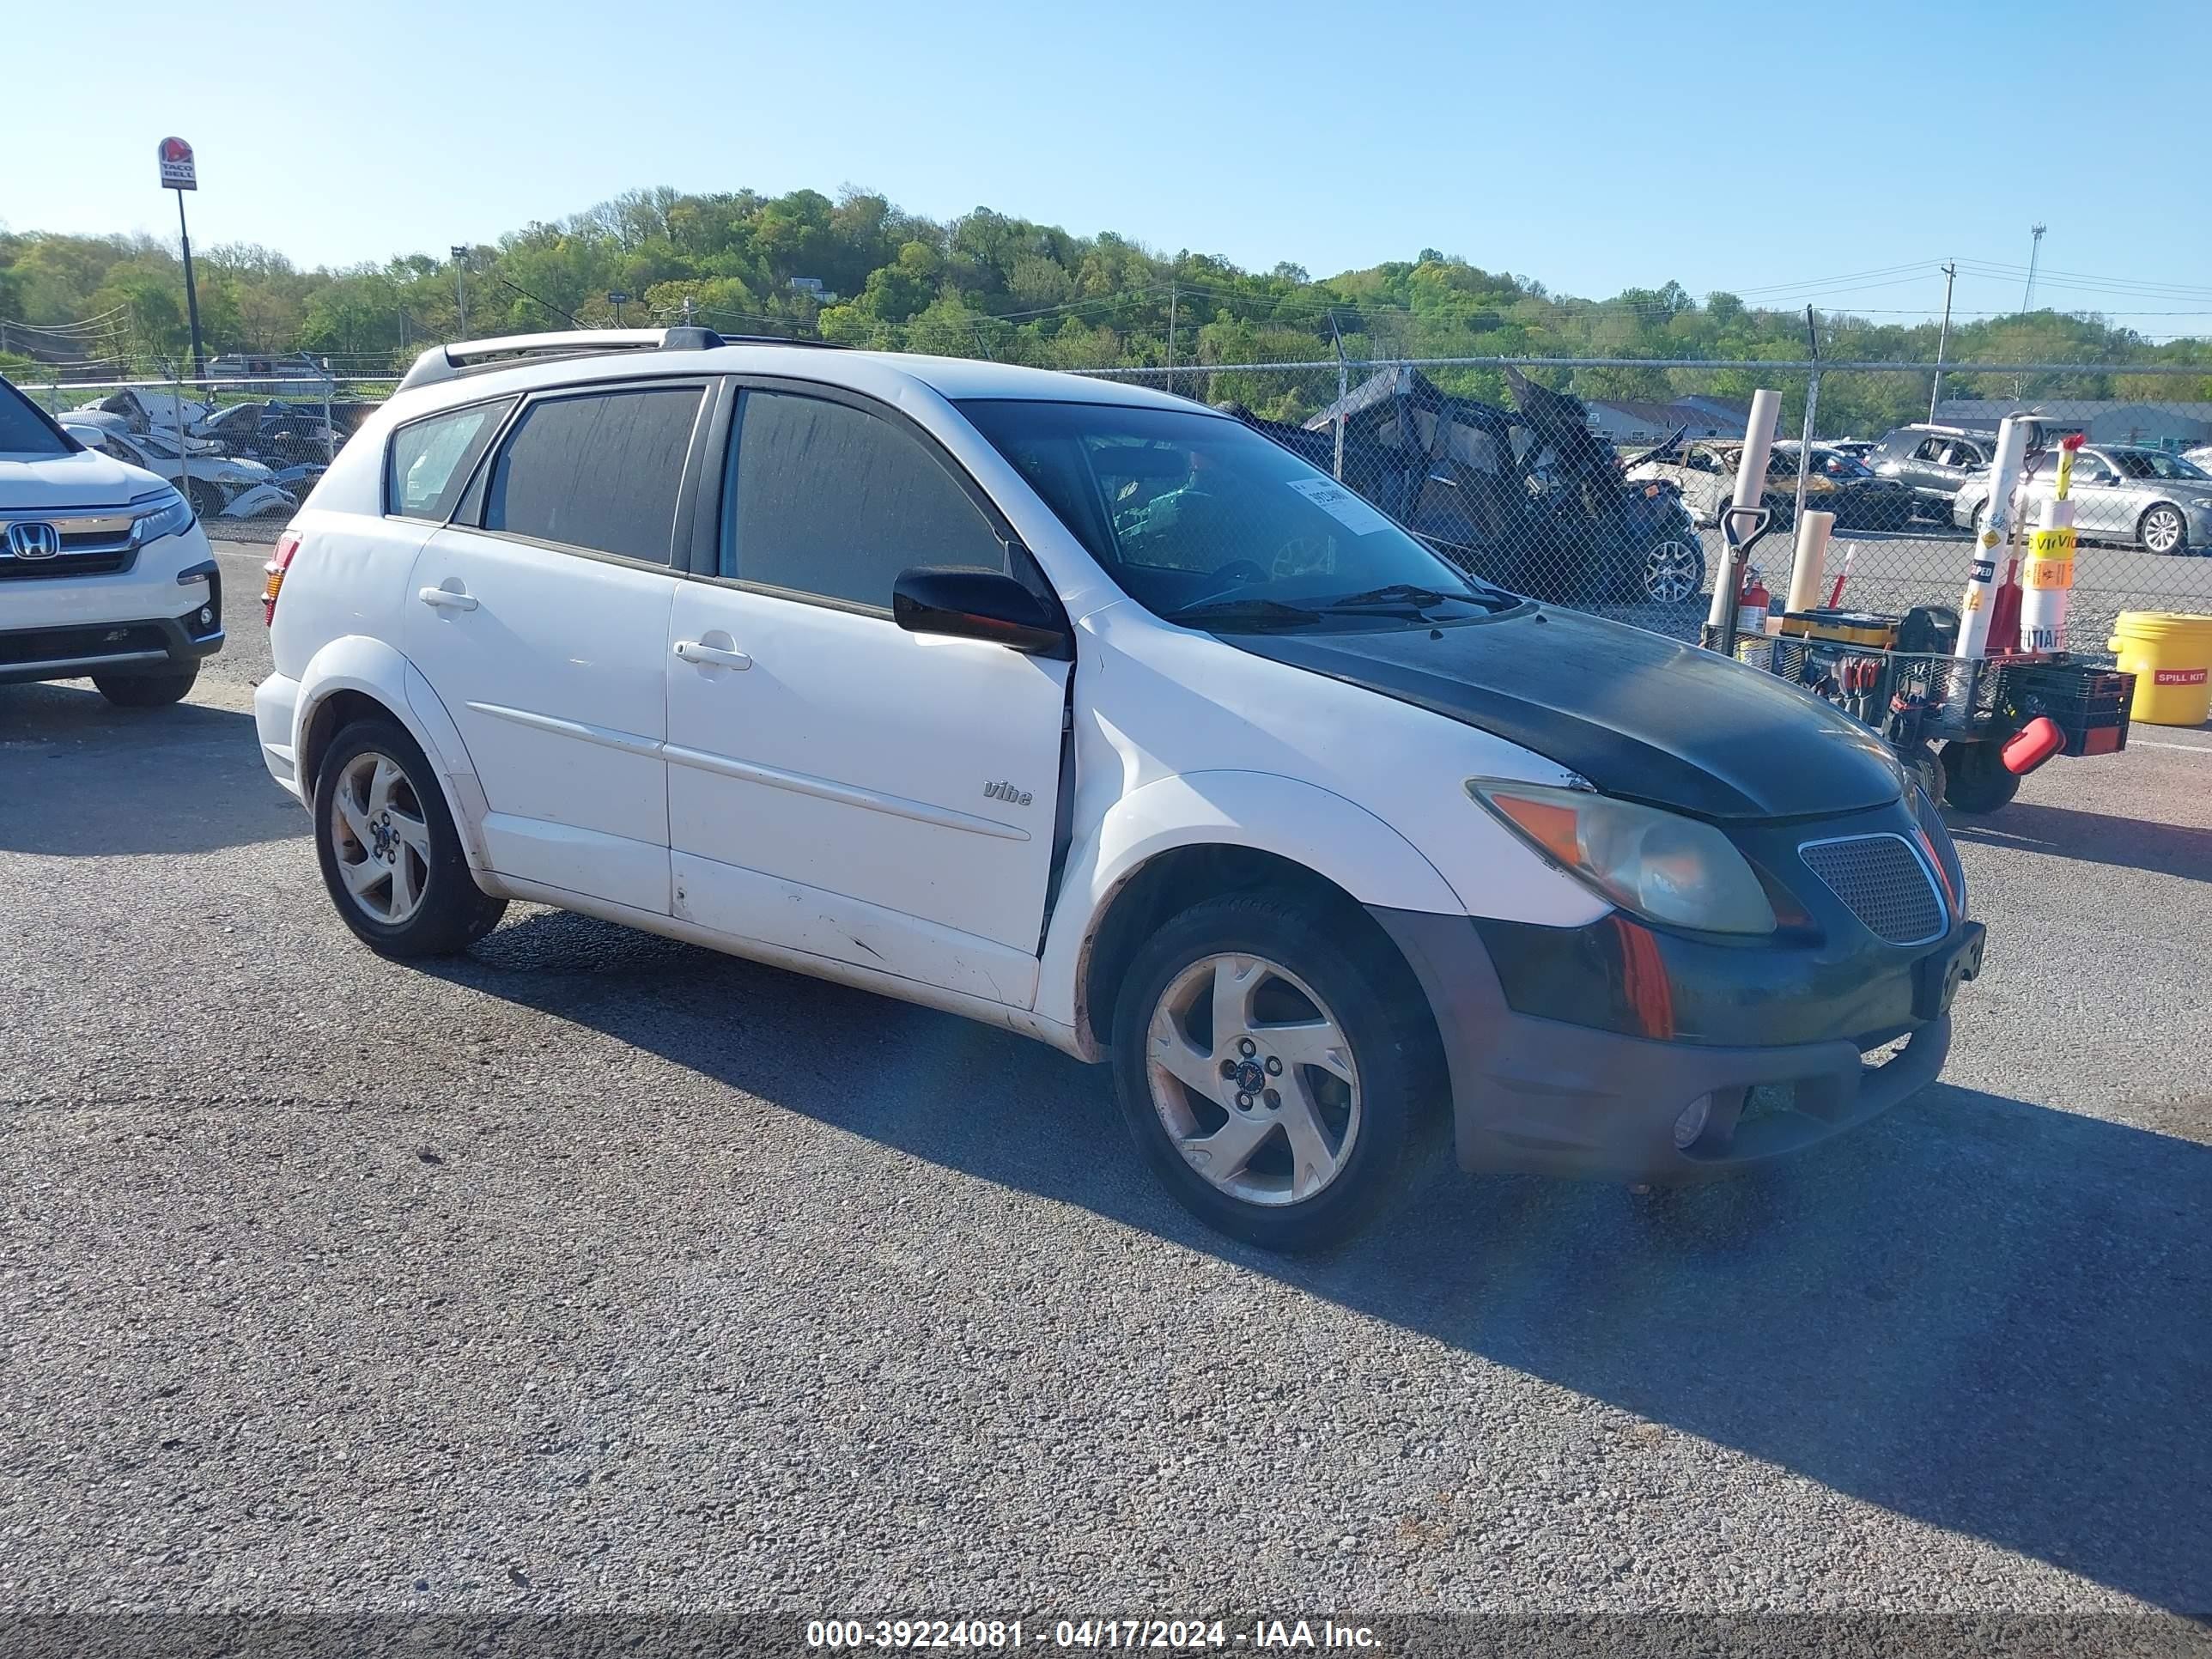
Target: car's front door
x=837, y=785
x=540, y=616
x=2106, y=503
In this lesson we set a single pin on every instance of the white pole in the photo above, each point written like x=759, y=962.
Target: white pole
x=2049, y=575
x=1750, y=485
x=1996, y=524
x=1813, y=530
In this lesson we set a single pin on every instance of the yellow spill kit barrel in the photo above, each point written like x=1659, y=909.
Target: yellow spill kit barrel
x=2170, y=654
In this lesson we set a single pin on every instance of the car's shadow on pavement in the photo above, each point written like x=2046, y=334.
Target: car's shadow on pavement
x=1984, y=1314
x=2166, y=849
x=79, y=779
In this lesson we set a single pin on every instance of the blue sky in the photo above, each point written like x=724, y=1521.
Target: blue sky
x=1781, y=152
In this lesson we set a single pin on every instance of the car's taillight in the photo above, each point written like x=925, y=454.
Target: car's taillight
x=279, y=562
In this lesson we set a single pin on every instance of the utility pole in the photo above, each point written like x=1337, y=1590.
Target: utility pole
x=1171, y=310
x=460, y=295
x=1943, y=338
x=2034, y=251
x=1336, y=334
x=1812, y=404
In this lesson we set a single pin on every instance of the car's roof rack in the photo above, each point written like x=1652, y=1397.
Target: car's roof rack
x=446, y=363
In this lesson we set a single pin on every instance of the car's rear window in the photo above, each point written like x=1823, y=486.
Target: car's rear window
x=24, y=430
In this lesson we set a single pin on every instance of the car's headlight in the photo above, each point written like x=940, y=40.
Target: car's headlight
x=1664, y=868
x=166, y=514
x=2202, y=501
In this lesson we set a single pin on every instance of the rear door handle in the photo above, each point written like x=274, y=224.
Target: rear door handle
x=446, y=599
x=711, y=656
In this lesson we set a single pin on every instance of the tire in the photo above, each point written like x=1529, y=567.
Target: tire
x=377, y=801
x=146, y=690
x=1283, y=961
x=1672, y=571
x=2163, y=529
x=1975, y=780
x=206, y=498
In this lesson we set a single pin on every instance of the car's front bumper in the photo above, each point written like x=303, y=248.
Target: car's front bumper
x=1548, y=1096
x=128, y=644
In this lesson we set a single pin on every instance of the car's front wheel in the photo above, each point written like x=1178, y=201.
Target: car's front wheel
x=2163, y=530
x=1674, y=570
x=146, y=690
x=1271, y=1061
x=389, y=854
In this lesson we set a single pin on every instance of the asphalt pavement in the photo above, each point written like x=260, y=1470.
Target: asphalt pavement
x=593, y=1271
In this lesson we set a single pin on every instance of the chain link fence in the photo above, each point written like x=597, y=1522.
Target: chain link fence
x=1591, y=482
x=1598, y=483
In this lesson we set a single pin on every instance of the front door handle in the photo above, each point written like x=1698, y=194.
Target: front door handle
x=711, y=656
x=446, y=599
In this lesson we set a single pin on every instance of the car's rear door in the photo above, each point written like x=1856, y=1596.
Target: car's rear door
x=837, y=786
x=540, y=616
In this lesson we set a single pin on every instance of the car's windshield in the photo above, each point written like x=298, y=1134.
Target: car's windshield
x=1190, y=511
x=23, y=430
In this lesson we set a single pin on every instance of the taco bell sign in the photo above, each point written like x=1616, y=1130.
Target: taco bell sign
x=177, y=170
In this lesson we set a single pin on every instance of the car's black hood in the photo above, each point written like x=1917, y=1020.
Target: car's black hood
x=1639, y=715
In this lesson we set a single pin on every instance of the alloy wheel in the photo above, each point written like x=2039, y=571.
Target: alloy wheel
x=380, y=837
x=1253, y=1080
x=1671, y=572
x=2163, y=530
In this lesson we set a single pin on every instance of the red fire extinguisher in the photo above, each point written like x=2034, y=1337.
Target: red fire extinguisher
x=1753, y=646
x=2004, y=612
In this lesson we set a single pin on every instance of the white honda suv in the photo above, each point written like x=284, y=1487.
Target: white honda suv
x=1090, y=713
x=103, y=570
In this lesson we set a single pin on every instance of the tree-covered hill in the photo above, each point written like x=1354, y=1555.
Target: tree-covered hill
x=857, y=270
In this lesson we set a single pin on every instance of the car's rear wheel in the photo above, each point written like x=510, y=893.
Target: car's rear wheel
x=1271, y=1061
x=2163, y=530
x=389, y=854
x=146, y=690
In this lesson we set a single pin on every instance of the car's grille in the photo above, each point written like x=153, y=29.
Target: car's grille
x=92, y=543
x=1882, y=882
x=73, y=644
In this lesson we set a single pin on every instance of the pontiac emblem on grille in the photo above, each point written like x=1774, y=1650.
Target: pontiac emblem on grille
x=33, y=540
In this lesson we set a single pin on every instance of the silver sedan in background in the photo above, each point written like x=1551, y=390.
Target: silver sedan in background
x=2121, y=493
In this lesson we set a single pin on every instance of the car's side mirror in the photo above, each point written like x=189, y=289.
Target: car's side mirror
x=968, y=603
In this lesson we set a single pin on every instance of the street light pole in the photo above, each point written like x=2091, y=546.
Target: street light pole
x=191, y=292
x=2034, y=252
x=460, y=296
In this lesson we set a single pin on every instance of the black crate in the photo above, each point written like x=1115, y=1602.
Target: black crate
x=2090, y=702
x=1950, y=696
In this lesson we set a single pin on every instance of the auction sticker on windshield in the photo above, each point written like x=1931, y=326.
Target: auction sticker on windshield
x=1341, y=504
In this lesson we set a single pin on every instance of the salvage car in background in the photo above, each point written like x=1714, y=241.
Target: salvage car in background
x=1837, y=483
x=1527, y=498
x=217, y=486
x=2123, y=494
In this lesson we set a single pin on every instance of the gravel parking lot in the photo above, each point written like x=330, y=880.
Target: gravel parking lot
x=594, y=1271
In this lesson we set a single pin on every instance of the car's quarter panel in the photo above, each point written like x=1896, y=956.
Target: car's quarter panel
x=849, y=783
x=554, y=677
